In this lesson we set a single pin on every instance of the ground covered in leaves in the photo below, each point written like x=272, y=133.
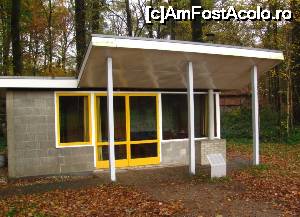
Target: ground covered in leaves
x=271, y=189
x=277, y=179
x=105, y=200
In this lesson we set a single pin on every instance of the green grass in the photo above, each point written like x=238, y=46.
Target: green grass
x=204, y=178
x=258, y=170
x=12, y=212
x=224, y=179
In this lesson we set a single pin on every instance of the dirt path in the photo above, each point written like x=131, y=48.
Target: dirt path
x=198, y=195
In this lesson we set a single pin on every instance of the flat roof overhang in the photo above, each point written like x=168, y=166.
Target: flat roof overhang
x=149, y=63
x=38, y=82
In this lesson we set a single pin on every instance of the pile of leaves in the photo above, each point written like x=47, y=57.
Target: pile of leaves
x=104, y=200
x=276, y=179
x=9, y=183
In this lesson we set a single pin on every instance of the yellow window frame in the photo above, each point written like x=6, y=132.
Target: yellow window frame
x=79, y=143
x=128, y=161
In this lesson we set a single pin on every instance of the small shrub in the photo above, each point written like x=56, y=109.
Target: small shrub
x=236, y=125
x=12, y=212
x=294, y=137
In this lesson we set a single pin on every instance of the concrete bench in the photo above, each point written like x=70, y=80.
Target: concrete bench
x=217, y=165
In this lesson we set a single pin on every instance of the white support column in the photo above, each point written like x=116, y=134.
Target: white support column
x=191, y=124
x=255, y=126
x=160, y=125
x=110, y=111
x=93, y=112
x=218, y=115
x=211, y=115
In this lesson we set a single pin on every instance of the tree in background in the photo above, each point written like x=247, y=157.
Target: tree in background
x=80, y=31
x=5, y=8
x=294, y=62
x=48, y=37
x=95, y=16
x=128, y=18
x=15, y=37
x=197, y=33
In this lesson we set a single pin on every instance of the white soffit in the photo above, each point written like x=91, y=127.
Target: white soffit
x=148, y=63
x=37, y=82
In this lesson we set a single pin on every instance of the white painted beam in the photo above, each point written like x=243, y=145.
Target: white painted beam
x=160, y=124
x=110, y=111
x=211, y=115
x=93, y=117
x=191, y=124
x=36, y=82
x=218, y=115
x=255, y=126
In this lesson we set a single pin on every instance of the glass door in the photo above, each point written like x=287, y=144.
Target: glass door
x=136, y=130
x=144, y=148
x=120, y=132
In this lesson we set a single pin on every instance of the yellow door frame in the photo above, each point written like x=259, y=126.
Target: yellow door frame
x=127, y=162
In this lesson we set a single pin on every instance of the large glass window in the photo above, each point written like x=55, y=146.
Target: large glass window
x=143, y=121
x=74, y=119
x=201, y=115
x=119, y=119
x=175, y=116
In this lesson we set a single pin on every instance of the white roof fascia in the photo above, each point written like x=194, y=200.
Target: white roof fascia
x=185, y=47
x=37, y=83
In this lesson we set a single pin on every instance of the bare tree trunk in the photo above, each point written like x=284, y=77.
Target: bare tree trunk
x=5, y=20
x=50, y=43
x=80, y=31
x=35, y=56
x=150, y=27
x=197, y=34
x=15, y=36
x=128, y=18
x=96, y=16
x=295, y=63
x=172, y=23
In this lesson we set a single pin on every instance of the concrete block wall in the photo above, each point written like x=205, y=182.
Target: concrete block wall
x=210, y=147
x=31, y=137
x=176, y=151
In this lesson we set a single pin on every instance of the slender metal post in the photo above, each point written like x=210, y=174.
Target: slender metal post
x=191, y=124
x=255, y=124
x=110, y=111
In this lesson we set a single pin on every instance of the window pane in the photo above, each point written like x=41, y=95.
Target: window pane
x=143, y=118
x=120, y=152
x=119, y=118
x=74, y=119
x=174, y=116
x=201, y=115
x=143, y=150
